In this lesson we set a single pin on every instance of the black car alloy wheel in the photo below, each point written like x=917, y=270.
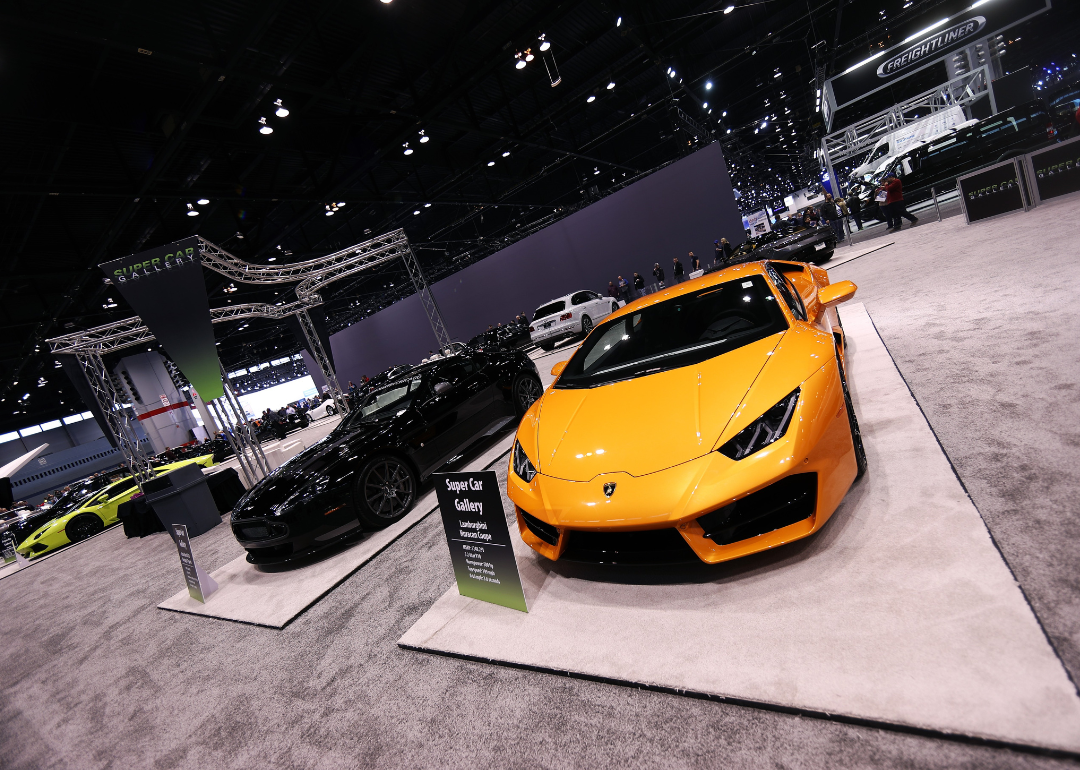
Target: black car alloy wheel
x=385, y=491
x=586, y=325
x=83, y=526
x=526, y=390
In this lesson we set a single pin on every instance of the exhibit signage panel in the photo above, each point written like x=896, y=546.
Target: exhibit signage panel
x=479, y=540
x=939, y=35
x=199, y=584
x=991, y=192
x=1055, y=171
x=165, y=286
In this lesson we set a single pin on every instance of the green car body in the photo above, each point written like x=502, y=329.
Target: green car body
x=102, y=506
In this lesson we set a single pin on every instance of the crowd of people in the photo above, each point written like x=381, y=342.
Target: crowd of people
x=626, y=290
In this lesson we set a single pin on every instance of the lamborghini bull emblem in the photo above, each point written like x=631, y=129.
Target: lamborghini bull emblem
x=609, y=488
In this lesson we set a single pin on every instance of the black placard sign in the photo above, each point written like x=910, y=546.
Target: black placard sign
x=1056, y=170
x=199, y=584
x=7, y=547
x=991, y=192
x=479, y=540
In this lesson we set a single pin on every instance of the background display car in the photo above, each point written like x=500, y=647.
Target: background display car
x=93, y=515
x=755, y=445
x=325, y=409
x=507, y=337
x=569, y=316
x=789, y=240
x=936, y=164
x=366, y=474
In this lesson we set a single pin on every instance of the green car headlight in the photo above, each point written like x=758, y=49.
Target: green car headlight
x=764, y=430
x=522, y=466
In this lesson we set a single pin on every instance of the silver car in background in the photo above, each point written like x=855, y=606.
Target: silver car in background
x=569, y=316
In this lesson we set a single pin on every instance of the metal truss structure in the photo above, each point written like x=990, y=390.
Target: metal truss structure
x=309, y=276
x=860, y=137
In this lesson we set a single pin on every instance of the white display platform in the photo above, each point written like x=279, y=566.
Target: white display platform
x=900, y=612
x=842, y=256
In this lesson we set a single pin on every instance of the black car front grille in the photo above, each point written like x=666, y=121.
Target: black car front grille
x=271, y=552
x=653, y=546
x=541, y=529
x=788, y=501
x=259, y=530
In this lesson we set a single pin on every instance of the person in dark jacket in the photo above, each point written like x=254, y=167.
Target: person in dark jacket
x=612, y=291
x=728, y=251
x=624, y=289
x=658, y=274
x=677, y=271
x=695, y=263
x=894, y=207
x=830, y=212
x=639, y=285
x=855, y=207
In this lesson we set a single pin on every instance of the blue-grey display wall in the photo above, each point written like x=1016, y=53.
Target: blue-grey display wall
x=681, y=208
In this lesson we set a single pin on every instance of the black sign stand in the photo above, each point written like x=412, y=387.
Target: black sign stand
x=479, y=540
x=1054, y=171
x=199, y=584
x=992, y=191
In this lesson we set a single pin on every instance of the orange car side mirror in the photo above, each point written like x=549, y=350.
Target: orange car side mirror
x=835, y=293
x=557, y=369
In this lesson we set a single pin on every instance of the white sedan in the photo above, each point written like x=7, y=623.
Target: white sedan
x=325, y=409
x=569, y=316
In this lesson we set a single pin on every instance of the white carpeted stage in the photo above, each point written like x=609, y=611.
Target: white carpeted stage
x=900, y=611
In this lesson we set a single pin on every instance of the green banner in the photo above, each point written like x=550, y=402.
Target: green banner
x=166, y=287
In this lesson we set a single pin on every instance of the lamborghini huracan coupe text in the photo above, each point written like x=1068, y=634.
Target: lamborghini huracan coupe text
x=366, y=474
x=710, y=420
x=91, y=515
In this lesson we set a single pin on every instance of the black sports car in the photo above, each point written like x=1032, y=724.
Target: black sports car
x=23, y=521
x=512, y=335
x=789, y=241
x=367, y=473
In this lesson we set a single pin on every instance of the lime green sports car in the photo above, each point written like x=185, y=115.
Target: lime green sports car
x=95, y=514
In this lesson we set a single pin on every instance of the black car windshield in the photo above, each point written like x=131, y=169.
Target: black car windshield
x=549, y=309
x=681, y=331
x=387, y=401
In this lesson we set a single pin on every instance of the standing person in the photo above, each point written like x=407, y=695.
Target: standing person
x=830, y=212
x=894, y=200
x=855, y=207
x=728, y=251
x=677, y=270
x=658, y=274
x=695, y=263
x=612, y=291
x=624, y=289
x=639, y=285
x=718, y=254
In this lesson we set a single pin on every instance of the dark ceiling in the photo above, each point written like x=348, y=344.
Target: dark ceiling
x=118, y=117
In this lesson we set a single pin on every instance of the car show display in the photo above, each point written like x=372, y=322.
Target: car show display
x=569, y=316
x=1054, y=171
x=993, y=191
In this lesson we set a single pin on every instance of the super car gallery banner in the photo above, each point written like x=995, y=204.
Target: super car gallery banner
x=165, y=286
x=1055, y=171
x=992, y=191
x=941, y=34
x=479, y=540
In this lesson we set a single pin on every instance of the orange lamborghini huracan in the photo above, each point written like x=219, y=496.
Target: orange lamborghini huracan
x=710, y=419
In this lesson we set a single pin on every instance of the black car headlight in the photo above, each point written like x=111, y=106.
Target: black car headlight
x=764, y=430
x=522, y=466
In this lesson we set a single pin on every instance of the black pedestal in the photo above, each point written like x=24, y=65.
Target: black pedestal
x=183, y=497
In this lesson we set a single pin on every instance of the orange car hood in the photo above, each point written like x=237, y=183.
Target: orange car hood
x=646, y=424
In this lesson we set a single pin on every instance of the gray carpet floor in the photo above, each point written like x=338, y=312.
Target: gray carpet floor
x=93, y=675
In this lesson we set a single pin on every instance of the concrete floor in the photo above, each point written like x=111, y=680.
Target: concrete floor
x=980, y=321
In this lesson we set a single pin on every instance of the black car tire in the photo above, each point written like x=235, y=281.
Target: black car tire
x=526, y=389
x=83, y=526
x=614, y=307
x=548, y=346
x=330, y=411
x=856, y=434
x=586, y=325
x=384, y=491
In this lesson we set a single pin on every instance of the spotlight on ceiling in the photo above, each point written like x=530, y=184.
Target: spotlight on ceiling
x=618, y=22
x=408, y=149
x=386, y=2
x=424, y=138
x=427, y=205
x=727, y=10
x=591, y=99
x=506, y=154
x=281, y=111
x=491, y=163
x=705, y=105
x=520, y=61
x=417, y=211
x=529, y=54
x=544, y=44
x=610, y=85
x=265, y=129
x=191, y=211
x=708, y=86
x=203, y=201
x=329, y=213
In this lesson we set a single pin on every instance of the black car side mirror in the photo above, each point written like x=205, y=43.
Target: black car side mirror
x=441, y=387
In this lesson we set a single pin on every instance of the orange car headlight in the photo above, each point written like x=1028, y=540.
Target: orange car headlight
x=764, y=430
x=522, y=466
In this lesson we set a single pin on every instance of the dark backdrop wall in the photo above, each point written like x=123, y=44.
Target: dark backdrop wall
x=681, y=208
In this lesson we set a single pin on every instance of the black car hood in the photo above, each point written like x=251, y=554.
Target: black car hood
x=306, y=474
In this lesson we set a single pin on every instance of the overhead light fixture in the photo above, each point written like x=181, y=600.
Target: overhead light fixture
x=386, y=2
x=922, y=32
x=191, y=211
x=854, y=67
x=203, y=201
x=427, y=205
x=595, y=170
x=708, y=86
x=265, y=129
x=424, y=138
x=723, y=114
x=416, y=212
x=729, y=9
x=281, y=111
x=591, y=99
x=520, y=63
x=506, y=154
x=778, y=73
x=610, y=85
x=618, y=22
x=671, y=73
x=544, y=44
x=408, y=149
x=491, y=163
x=705, y=105
x=529, y=54
x=329, y=213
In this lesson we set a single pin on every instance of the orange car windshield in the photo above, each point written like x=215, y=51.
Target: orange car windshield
x=681, y=331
